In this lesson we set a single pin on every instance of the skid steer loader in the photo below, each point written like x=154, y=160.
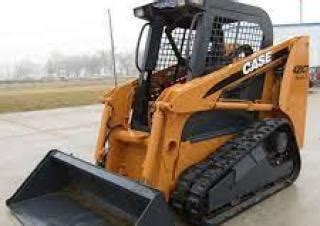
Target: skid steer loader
x=212, y=126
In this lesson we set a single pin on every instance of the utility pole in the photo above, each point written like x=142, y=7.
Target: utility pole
x=301, y=11
x=112, y=49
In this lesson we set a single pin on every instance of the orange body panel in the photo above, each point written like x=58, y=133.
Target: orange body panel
x=294, y=87
x=159, y=157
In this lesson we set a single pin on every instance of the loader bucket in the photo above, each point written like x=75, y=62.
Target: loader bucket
x=64, y=190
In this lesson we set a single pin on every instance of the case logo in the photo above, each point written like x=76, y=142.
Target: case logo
x=257, y=63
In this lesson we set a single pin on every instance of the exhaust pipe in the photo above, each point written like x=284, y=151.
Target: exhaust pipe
x=64, y=190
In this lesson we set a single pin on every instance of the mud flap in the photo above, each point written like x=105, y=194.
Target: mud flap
x=64, y=190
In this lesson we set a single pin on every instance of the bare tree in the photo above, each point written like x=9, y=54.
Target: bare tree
x=125, y=63
x=27, y=69
x=69, y=66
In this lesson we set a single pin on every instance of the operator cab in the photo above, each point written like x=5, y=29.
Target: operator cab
x=191, y=38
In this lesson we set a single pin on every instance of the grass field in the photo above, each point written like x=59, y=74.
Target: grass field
x=47, y=95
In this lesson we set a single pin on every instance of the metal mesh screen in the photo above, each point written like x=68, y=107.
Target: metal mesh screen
x=169, y=70
x=167, y=57
x=231, y=40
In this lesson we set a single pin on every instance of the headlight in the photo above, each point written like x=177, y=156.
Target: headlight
x=197, y=2
x=181, y=2
x=190, y=2
x=139, y=12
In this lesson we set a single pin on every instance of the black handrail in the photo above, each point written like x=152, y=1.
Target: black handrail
x=138, y=46
x=193, y=25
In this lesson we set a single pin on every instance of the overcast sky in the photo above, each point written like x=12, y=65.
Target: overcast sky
x=35, y=28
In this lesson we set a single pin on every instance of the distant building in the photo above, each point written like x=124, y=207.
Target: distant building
x=286, y=31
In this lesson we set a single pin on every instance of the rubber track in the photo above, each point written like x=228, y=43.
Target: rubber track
x=190, y=196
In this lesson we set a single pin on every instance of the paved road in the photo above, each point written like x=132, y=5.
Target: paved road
x=26, y=137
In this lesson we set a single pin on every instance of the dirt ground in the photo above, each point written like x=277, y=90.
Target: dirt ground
x=30, y=96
